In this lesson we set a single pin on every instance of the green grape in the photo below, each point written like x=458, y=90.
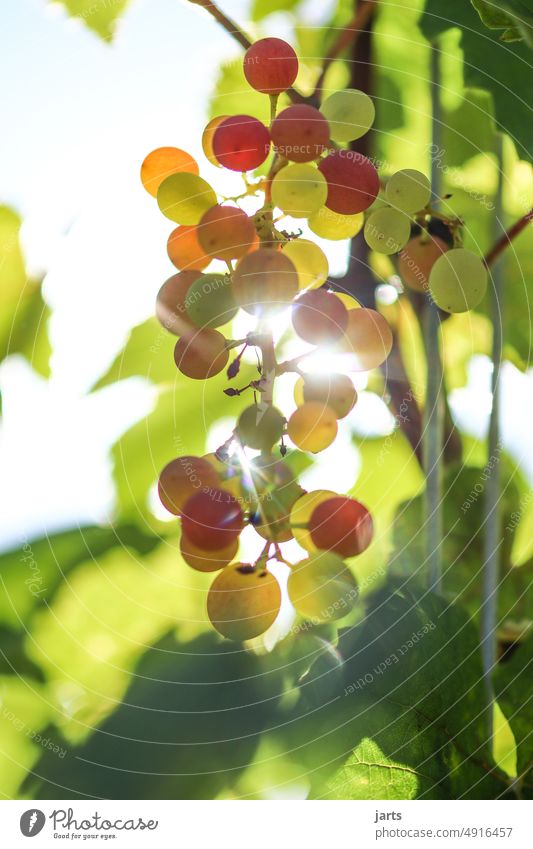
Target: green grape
x=184, y=198
x=243, y=601
x=334, y=226
x=322, y=588
x=313, y=426
x=299, y=190
x=387, y=230
x=209, y=301
x=260, y=426
x=310, y=262
x=350, y=114
x=408, y=190
x=302, y=511
x=458, y=280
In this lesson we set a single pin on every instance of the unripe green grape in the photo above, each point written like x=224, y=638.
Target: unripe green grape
x=184, y=198
x=334, y=226
x=299, y=190
x=260, y=426
x=350, y=114
x=210, y=302
x=408, y=190
x=243, y=601
x=310, y=262
x=458, y=280
x=322, y=588
x=387, y=231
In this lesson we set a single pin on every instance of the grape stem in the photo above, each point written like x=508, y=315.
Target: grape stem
x=505, y=240
x=346, y=38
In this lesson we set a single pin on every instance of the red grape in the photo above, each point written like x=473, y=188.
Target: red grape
x=353, y=182
x=300, y=133
x=184, y=477
x=226, y=232
x=241, y=143
x=212, y=520
x=319, y=317
x=270, y=65
x=343, y=525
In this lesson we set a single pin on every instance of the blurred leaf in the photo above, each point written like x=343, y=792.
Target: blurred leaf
x=522, y=549
x=263, y=8
x=514, y=691
x=13, y=658
x=515, y=17
x=462, y=336
x=102, y=17
x=469, y=129
x=148, y=352
x=187, y=728
x=234, y=96
x=504, y=746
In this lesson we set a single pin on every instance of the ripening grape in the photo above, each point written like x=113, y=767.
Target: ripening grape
x=408, y=190
x=207, y=139
x=301, y=513
x=335, y=390
x=183, y=478
x=310, y=262
x=299, y=190
x=207, y=561
x=331, y=225
x=210, y=302
x=270, y=65
x=243, y=601
x=212, y=520
x=322, y=588
x=353, y=182
x=170, y=303
x=343, y=525
x=312, y=427
x=368, y=339
x=319, y=317
x=271, y=515
x=185, y=197
x=350, y=114
x=200, y=354
x=241, y=143
x=226, y=233
x=418, y=258
x=387, y=230
x=458, y=280
x=184, y=249
x=348, y=300
x=161, y=163
x=228, y=473
x=260, y=426
x=300, y=133
x=264, y=281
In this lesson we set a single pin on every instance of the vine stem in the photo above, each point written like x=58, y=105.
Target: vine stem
x=505, y=240
x=346, y=38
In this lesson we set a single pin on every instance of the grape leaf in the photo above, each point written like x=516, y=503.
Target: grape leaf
x=515, y=17
x=148, y=353
x=514, y=691
x=522, y=519
x=263, y=8
x=101, y=16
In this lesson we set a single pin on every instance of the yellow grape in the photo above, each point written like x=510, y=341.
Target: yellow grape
x=322, y=588
x=312, y=427
x=161, y=163
x=310, y=262
x=333, y=226
x=299, y=190
x=265, y=281
x=207, y=561
x=301, y=512
x=207, y=139
x=184, y=198
x=243, y=601
x=348, y=300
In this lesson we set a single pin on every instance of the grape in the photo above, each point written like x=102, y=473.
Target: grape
x=207, y=561
x=299, y=190
x=184, y=477
x=271, y=516
x=228, y=472
x=226, y=232
x=368, y=339
x=310, y=262
x=243, y=601
x=266, y=474
x=353, y=182
x=270, y=65
x=207, y=139
x=210, y=302
x=212, y=520
x=417, y=259
x=319, y=317
x=185, y=197
x=335, y=390
x=170, y=303
x=408, y=190
x=322, y=588
x=348, y=300
x=331, y=225
x=264, y=281
x=300, y=133
x=312, y=427
x=387, y=230
x=201, y=354
x=161, y=163
x=184, y=249
x=343, y=525
x=350, y=114
x=301, y=513
x=260, y=426
x=241, y=143
x=458, y=280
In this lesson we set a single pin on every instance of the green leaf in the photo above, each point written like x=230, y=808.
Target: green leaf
x=100, y=16
x=462, y=336
x=234, y=96
x=148, y=352
x=513, y=16
x=514, y=691
x=263, y=8
x=522, y=520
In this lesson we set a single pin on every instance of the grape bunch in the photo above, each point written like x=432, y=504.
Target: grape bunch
x=308, y=175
